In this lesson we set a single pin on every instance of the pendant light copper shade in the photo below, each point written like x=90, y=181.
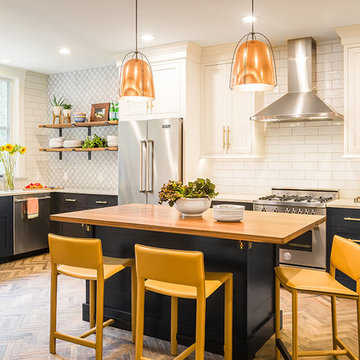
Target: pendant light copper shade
x=136, y=82
x=253, y=67
x=136, y=77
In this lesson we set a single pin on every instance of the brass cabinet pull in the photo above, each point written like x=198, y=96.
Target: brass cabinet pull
x=351, y=219
x=151, y=105
x=70, y=200
x=147, y=106
x=100, y=202
x=228, y=137
x=224, y=131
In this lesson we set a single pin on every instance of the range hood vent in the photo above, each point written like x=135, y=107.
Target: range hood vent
x=301, y=103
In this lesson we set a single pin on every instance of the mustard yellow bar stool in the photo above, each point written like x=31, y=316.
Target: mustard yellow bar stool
x=180, y=274
x=83, y=259
x=345, y=256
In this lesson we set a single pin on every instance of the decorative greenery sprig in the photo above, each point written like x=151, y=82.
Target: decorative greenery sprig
x=95, y=142
x=57, y=102
x=174, y=190
x=67, y=107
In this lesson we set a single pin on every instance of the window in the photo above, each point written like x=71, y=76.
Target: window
x=4, y=111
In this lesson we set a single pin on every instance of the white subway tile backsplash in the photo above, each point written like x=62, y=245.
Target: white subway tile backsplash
x=305, y=148
x=304, y=165
x=305, y=130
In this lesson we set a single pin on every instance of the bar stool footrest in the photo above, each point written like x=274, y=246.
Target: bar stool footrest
x=93, y=330
x=74, y=339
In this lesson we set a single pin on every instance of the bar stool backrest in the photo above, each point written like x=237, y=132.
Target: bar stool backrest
x=173, y=266
x=85, y=253
x=345, y=256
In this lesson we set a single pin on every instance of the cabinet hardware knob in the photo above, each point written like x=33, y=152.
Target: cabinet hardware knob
x=351, y=219
x=70, y=200
x=100, y=202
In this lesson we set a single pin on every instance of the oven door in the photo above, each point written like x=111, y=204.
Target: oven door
x=308, y=250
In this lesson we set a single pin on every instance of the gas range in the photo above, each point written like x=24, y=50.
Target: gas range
x=296, y=201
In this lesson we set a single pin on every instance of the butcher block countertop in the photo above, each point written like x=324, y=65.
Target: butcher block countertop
x=275, y=228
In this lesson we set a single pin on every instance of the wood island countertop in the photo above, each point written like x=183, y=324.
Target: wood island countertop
x=264, y=227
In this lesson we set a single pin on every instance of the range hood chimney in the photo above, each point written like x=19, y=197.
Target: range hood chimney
x=301, y=103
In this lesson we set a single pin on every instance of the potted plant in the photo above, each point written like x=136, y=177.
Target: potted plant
x=57, y=105
x=8, y=156
x=191, y=199
x=67, y=110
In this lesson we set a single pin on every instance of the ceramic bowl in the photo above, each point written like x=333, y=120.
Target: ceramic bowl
x=192, y=207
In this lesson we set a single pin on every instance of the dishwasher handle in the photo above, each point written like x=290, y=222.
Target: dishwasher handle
x=40, y=198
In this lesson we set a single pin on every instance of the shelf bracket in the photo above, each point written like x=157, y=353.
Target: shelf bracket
x=89, y=131
x=89, y=155
x=60, y=132
x=60, y=155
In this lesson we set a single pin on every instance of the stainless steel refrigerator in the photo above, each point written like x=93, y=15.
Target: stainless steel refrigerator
x=150, y=154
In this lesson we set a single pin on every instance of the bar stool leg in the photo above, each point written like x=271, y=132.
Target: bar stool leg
x=133, y=302
x=358, y=324
x=174, y=325
x=200, y=327
x=294, y=325
x=99, y=318
x=92, y=303
x=334, y=321
x=277, y=316
x=53, y=304
x=140, y=319
x=228, y=323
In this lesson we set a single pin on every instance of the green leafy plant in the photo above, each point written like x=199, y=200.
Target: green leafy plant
x=174, y=190
x=57, y=102
x=67, y=106
x=95, y=142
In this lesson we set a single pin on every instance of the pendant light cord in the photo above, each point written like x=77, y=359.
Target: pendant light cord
x=136, y=28
x=252, y=18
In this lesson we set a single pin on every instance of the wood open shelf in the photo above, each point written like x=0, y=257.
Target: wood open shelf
x=84, y=124
x=112, y=148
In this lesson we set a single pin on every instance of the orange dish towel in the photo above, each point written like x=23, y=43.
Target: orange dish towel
x=32, y=208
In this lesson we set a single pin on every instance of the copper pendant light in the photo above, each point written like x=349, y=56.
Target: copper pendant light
x=253, y=65
x=136, y=77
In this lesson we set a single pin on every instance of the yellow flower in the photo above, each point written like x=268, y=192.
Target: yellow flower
x=9, y=147
x=2, y=148
x=23, y=150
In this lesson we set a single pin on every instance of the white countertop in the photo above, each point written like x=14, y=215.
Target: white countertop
x=66, y=190
x=238, y=197
x=344, y=203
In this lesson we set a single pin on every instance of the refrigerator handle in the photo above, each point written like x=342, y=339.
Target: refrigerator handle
x=150, y=165
x=142, y=165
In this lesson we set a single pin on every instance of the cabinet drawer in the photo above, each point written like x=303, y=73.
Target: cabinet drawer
x=344, y=221
x=98, y=201
x=248, y=205
x=65, y=202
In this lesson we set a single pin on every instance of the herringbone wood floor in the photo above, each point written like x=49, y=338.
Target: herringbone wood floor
x=24, y=320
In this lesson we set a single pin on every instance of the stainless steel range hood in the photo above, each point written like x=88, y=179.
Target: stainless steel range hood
x=301, y=103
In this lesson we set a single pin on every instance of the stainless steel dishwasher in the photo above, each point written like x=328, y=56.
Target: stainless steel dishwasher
x=31, y=234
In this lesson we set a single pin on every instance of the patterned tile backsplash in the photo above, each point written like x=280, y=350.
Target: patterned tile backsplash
x=81, y=89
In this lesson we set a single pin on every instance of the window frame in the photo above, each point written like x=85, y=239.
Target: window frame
x=9, y=95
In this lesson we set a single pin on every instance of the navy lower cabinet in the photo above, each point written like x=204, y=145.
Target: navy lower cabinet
x=248, y=205
x=346, y=223
x=6, y=226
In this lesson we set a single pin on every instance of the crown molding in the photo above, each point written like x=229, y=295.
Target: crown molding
x=349, y=34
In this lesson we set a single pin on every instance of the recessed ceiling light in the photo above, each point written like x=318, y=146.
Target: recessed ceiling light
x=147, y=37
x=64, y=51
x=249, y=19
x=5, y=60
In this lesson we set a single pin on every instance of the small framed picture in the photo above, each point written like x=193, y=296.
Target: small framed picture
x=100, y=112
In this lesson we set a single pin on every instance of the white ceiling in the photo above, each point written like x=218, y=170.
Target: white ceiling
x=32, y=31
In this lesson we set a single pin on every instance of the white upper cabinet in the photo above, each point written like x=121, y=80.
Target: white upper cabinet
x=169, y=82
x=350, y=38
x=227, y=130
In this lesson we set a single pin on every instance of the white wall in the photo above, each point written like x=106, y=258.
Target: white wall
x=304, y=154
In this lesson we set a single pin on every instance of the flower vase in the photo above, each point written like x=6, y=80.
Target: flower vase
x=9, y=181
x=9, y=171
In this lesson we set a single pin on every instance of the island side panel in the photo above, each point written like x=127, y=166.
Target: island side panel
x=253, y=289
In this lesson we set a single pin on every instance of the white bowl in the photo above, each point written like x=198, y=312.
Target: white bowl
x=228, y=212
x=192, y=207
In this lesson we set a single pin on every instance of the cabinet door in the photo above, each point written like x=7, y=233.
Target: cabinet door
x=352, y=104
x=168, y=89
x=217, y=108
x=132, y=108
x=6, y=227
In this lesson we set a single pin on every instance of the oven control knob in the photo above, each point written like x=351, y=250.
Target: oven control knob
x=263, y=209
x=287, y=210
x=287, y=256
x=293, y=210
x=306, y=211
x=276, y=210
x=299, y=211
x=312, y=212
